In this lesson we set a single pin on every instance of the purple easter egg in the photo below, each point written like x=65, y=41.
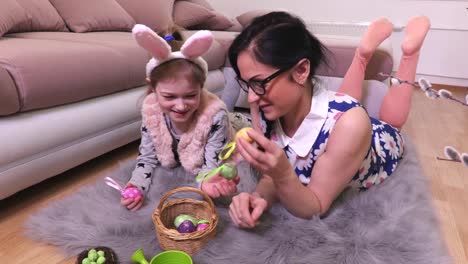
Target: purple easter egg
x=131, y=192
x=182, y=217
x=202, y=226
x=186, y=227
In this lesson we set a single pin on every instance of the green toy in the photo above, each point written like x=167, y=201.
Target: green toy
x=165, y=257
x=227, y=171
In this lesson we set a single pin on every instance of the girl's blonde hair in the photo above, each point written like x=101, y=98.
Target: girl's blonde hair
x=177, y=68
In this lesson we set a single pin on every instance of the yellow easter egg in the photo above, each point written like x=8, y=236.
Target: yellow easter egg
x=243, y=134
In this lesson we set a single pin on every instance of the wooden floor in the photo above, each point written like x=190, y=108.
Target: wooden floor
x=432, y=125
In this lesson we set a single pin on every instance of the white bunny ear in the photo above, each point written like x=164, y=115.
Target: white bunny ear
x=149, y=40
x=197, y=44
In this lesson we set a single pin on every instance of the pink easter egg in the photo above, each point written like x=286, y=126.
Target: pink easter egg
x=131, y=192
x=202, y=226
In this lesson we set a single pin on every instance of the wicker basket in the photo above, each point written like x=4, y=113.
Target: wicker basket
x=164, y=215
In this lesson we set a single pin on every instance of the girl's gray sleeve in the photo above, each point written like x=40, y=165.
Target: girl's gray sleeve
x=231, y=89
x=217, y=138
x=146, y=162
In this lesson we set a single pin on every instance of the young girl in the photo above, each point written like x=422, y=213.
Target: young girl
x=183, y=124
x=316, y=142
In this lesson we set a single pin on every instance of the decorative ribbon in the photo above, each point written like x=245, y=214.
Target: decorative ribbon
x=227, y=171
x=112, y=183
x=227, y=151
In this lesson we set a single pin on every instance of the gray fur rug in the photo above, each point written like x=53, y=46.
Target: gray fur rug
x=391, y=223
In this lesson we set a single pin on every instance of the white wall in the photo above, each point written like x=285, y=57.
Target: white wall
x=444, y=57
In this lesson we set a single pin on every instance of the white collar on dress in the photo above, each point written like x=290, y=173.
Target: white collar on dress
x=308, y=131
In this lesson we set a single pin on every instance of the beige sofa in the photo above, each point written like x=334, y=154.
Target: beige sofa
x=72, y=78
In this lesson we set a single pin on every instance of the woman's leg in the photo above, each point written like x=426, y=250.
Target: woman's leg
x=397, y=102
x=376, y=33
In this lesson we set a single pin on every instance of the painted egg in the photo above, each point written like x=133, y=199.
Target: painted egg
x=243, y=134
x=183, y=217
x=186, y=226
x=395, y=81
x=131, y=192
x=229, y=171
x=202, y=226
x=101, y=260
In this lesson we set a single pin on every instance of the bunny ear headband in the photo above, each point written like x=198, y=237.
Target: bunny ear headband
x=195, y=46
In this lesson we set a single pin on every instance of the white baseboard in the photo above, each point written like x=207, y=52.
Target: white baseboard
x=463, y=83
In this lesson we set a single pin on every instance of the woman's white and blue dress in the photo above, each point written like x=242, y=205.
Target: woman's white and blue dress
x=310, y=140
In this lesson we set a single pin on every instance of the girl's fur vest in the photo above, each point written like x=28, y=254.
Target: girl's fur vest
x=191, y=147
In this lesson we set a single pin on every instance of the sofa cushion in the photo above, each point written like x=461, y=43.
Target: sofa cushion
x=43, y=16
x=216, y=54
x=218, y=22
x=187, y=14
x=125, y=43
x=105, y=15
x=247, y=17
x=203, y=3
x=61, y=67
x=236, y=26
x=198, y=14
x=52, y=68
x=156, y=14
x=11, y=14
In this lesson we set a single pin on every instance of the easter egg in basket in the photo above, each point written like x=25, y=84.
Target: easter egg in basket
x=186, y=226
x=184, y=217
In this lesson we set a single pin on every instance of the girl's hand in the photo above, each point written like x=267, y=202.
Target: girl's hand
x=269, y=159
x=246, y=209
x=132, y=204
x=219, y=186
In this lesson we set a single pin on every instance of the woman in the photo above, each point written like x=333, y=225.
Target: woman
x=315, y=142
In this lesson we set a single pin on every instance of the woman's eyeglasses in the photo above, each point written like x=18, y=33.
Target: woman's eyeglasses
x=258, y=87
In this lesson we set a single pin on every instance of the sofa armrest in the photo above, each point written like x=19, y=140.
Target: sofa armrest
x=341, y=54
x=247, y=17
x=9, y=100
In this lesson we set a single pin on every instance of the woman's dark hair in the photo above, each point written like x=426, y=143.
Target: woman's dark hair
x=280, y=40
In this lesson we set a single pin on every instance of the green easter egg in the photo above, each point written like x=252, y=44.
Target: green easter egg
x=100, y=253
x=229, y=171
x=93, y=256
x=90, y=253
x=86, y=261
x=93, y=262
x=183, y=217
x=101, y=260
x=203, y=221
